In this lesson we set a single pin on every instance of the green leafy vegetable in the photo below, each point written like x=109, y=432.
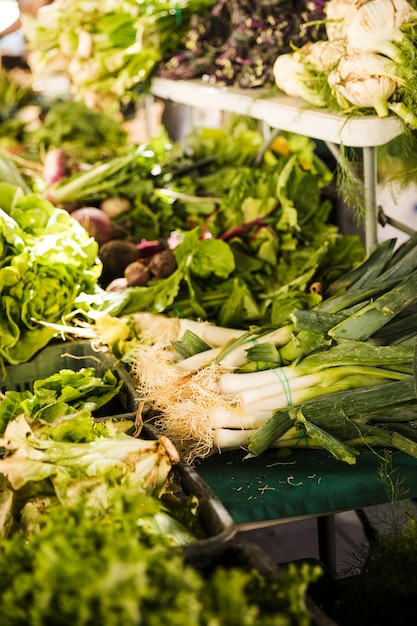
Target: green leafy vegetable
x=48, y=260
x=65, y=393
x=75, y=570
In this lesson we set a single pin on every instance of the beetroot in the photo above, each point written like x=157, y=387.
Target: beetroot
x=116, y=255
x=162, y=264
x=137, y=274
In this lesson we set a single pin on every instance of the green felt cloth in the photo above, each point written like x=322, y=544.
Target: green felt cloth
x=307, y=482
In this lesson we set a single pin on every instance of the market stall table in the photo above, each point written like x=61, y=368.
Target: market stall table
x=271, y=489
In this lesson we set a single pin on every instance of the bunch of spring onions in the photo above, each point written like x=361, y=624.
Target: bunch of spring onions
x=340, y=376
x=366, y=63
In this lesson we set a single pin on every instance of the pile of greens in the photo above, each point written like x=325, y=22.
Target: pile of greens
x=251, y=227
x=47, y=260
x=86, y=568
x=78, y=393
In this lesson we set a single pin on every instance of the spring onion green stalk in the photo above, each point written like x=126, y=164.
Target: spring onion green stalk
x=361, y=275
x=324, y=439
x=362, y=324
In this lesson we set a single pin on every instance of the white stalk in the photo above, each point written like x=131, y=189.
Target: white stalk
x=281, y=388
x=236, y=383
x=197, y=361
x=231, y=439
x=163, y=329
x=210, y=333
x=224, y=416
x=237, y=356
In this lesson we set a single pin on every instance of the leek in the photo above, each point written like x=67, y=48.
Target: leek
x=336, y=412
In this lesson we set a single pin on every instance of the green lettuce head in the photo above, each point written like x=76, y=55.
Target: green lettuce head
x=47, y=259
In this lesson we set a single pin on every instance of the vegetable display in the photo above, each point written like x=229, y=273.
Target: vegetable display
x=223, y=232
x=364, y=64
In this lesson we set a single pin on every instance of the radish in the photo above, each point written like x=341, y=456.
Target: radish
x=55, y=165
x=95, y=222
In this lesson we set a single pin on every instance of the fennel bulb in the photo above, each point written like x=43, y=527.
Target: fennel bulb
x=339, y=14
x=365, y=80
x=376, y=27
x=292, y=78
x=324, y=55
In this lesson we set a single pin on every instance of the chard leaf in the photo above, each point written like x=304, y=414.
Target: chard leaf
x=212, y=256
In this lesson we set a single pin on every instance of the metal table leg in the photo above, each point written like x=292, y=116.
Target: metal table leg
x=370, y=181
x=326, y=530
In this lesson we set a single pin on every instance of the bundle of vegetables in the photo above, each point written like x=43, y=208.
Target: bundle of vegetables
x=365, y=64
x=230, y=232
x=340, y=376
x=237, y=43
x=47, y=260
x=108, y=49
